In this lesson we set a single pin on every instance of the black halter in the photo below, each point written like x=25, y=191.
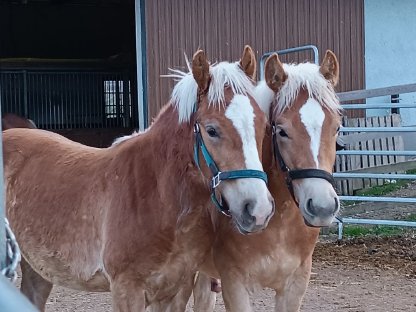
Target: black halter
x=290, y=174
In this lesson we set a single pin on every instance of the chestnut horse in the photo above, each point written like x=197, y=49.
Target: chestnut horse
x=10, y=120
x=137, y=219
x=299, y=153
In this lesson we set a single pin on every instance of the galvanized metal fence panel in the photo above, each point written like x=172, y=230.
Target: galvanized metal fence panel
x=388, y=130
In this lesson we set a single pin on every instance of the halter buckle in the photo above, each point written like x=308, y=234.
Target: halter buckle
x=273, y=128
x=215, y=181
x=196, y=128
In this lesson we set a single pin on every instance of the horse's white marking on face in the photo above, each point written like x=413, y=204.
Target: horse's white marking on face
x=313, y=116
x=241, y=113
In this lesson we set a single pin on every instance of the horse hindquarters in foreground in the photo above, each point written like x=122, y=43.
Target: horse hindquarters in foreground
x=137, y=218
x=305, y=114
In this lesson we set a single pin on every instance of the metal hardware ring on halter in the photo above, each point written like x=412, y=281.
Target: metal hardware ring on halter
x=216, y=180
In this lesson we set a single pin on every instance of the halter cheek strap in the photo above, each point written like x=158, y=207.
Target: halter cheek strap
x=291, y=175
x=217, y=175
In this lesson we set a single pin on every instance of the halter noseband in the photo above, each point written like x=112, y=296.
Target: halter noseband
x=291, y=175
x=217, y=175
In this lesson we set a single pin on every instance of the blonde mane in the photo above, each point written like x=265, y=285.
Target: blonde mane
x=185, y=92
x=306, y=76
x=124, y=138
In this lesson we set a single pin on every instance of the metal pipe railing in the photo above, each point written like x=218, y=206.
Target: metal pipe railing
x=347, y=175
x=3, y=251
x=408, y=200
x=342, y=221
x=375, y=106
x=377, y=153
x=287, y=51
x=377, y=129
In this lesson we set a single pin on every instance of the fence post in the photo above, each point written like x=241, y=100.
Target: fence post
x=2, y=210
x=25, y=95
x=395, y=99
x=340, y=229
x=127, y=105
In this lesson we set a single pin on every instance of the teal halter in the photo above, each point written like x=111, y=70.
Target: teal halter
x=217, y=175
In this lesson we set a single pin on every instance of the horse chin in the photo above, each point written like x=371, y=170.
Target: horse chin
x=308, y=224
x=245, y=231
x=241, y=229
x=316, y=222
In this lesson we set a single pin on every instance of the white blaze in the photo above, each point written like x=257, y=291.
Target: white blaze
x=312, y=116
x=241, y=114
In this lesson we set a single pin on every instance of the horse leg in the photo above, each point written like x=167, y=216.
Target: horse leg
x=127, y=295
x=178, y=302
x=235, y=294
x=204, y=297
x=290, y=298
x=34, y=286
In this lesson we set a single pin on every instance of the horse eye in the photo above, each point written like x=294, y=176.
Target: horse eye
x=212, y=132
x=282, y=133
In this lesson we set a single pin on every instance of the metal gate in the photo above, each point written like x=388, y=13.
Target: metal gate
x=388, y=172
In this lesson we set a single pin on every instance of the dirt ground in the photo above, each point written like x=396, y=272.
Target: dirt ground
x=364, y=274
x=357, y=275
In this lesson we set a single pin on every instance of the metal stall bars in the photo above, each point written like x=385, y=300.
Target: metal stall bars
x=400, y=166
x=11, y=300
x=287, y=51
x=61, y=98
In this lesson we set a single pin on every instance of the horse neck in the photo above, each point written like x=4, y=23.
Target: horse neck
x=172, y=141
x=168, y=146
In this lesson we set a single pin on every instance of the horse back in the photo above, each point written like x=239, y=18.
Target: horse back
x=22, y=147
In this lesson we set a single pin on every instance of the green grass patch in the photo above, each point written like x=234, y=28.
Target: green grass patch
x=384, y=189
x=380, y=190
x=376, y=230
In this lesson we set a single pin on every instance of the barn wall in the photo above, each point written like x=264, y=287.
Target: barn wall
x=222, y=28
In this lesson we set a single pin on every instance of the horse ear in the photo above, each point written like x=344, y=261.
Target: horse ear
x=274, y=73
x=248, y=62
x=330, y=68
x=200, y=70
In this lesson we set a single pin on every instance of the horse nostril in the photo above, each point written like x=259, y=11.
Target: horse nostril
x=310, y=207
x=249, y=207
x=248, y=211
